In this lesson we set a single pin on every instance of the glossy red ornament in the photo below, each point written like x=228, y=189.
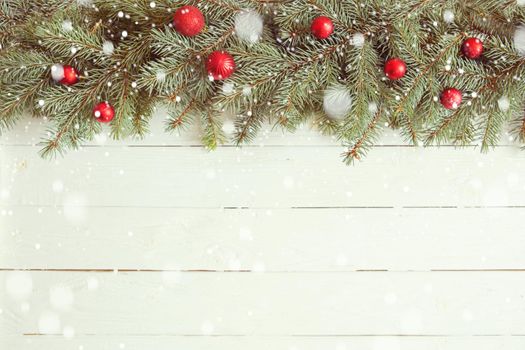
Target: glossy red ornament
x=70, y=76
x=322, y=27
x=104, y=112
x=451, y=98
x=220, y=65
x=395, y=68
x=188, y=20
x=472, y=48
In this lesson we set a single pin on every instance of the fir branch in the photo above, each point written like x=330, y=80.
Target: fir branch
x=281, y=78
x=213, y=135
x=415, y=88
x=364, y=141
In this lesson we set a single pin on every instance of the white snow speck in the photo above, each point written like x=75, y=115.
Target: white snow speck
x=108, y=47
x=19, y=284
x=68, y=332
x=503, y=103
x=57, y=186
x=61, y=297
x=49, y=323
x=448, y=16
x=358, y=40
x=67, y=25
x=92, y=283
x=227, y=88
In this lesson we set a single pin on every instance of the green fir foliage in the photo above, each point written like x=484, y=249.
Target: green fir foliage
x=281, y=79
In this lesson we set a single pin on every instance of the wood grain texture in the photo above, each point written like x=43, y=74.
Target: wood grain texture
x=159, y=244
x=277, y=304
x=263, y=343
x=332, y=239
x=265, y=177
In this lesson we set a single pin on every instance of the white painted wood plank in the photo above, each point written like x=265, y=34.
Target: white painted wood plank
x=262, y=343
x=271, y=304
x=263, y=177
x=346, y=239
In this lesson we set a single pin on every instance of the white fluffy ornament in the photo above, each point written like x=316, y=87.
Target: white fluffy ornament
x=249, y=26
x=337, y=101
x=448, y=16
x=519, y=39
x=57, y=72
x=108, y=48
x=520, y=2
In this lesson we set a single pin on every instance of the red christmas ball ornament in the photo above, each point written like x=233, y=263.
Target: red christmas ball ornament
x=188, y=20
x=220, y=65
x=70, y=76
x=451, y=98
x=322, y=27
x=104, y=112
x=472, y=48
x=395, y=68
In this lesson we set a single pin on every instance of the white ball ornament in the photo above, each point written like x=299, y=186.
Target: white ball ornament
x=249, y=26
x=337, y=101
x=519, y=39
x=57, y=72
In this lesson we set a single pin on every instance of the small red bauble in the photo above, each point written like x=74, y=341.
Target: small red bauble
x=472, y=48
x=70, y=76
x=220, y=65
x=188, y=20
x=395, y=68
x=322, y=27
x=451, y=98
x=104, y=112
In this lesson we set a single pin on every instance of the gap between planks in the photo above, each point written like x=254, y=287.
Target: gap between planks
x=106, y=270
x=277, y=208
x=261, y=145
x=275, y=335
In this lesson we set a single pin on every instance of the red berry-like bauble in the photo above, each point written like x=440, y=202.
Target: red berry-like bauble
x=395, y=68
x=472, y=48
x=220, y=65
x=104, y=112
x=70, y=76
x=451, y=98
x=188, y=20
x=322, y=27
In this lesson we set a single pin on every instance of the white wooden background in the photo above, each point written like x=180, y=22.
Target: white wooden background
x=158, y=244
